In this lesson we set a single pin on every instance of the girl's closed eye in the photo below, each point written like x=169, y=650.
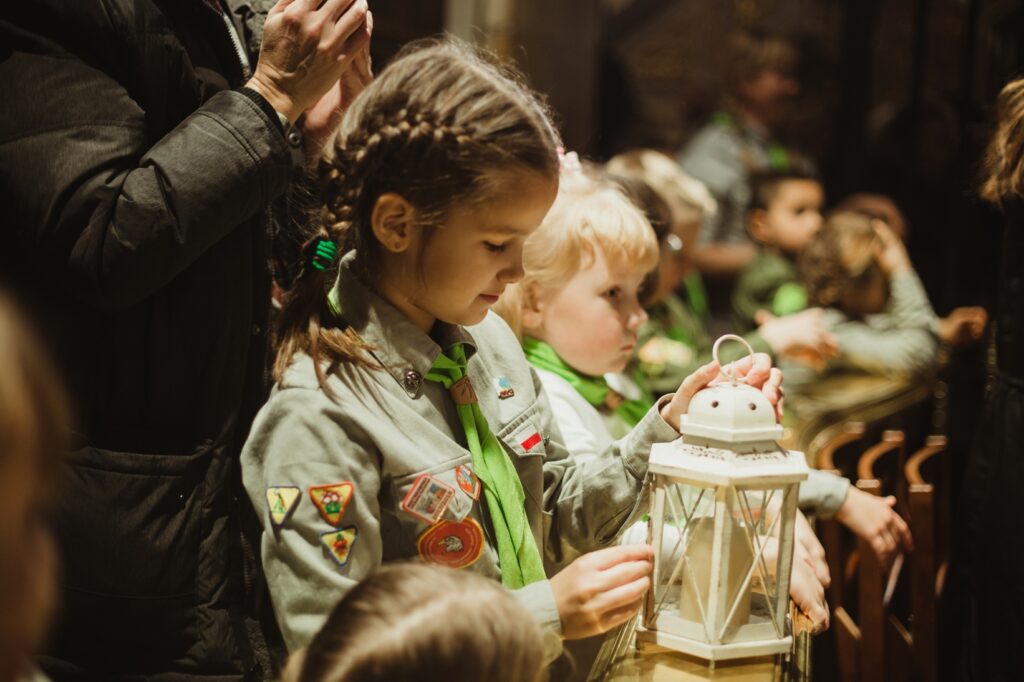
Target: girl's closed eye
x=495, y=248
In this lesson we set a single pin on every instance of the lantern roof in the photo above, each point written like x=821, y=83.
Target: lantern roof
x=729, y=435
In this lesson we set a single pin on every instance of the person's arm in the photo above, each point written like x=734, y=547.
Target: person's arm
x=304, y=581
x=824, y=493
x=115, y=210
x=907, y=342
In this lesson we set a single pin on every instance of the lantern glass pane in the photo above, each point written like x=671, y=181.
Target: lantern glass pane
x=715, y=576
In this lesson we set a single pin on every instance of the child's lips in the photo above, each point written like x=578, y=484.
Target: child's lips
x=490, y=298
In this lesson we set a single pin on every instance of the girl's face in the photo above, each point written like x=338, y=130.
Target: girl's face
x=461, y=268
x=592, y=321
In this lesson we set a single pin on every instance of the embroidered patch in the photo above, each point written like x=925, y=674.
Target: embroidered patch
x=468, y=481
x=531, y=441
x=338, y=543
x=504, y=388
x=455, y=545
x=331, y=500
x=282, y=501
x=427, y=498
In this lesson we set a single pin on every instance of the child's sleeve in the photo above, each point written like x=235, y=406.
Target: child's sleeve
x=316, y=492
x=823, y=492
x=588, y=503
x=903, y=339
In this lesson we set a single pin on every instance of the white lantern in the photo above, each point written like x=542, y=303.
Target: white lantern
x=723, y=512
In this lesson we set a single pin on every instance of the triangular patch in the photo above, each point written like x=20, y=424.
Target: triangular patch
x=338, y=543
x=282, y=501
x=331, y=500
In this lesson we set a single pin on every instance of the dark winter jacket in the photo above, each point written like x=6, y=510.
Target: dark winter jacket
x=135, y=187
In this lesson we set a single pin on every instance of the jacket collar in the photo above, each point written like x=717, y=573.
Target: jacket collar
x=402, y=349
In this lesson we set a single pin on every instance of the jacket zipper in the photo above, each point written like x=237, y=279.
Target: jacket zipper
x=236, y=42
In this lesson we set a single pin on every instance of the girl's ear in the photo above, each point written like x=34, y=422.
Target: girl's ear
x=533, y=306
x=394, y=222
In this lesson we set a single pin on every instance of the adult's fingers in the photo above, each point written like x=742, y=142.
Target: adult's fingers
x=351, y=23
x=332, y=10
x=617, y=576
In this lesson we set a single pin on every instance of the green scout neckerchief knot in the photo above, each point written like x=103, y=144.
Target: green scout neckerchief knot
x=594, y=390
x=518, y=554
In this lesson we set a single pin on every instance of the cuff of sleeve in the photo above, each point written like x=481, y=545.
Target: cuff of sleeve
x=636, y=446
x=824, y=493
x=539, y=600
x=265, y=106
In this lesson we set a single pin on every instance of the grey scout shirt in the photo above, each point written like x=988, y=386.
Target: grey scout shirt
x=385, y=427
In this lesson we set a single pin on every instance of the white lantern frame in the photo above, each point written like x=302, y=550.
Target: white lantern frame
x=729, y=458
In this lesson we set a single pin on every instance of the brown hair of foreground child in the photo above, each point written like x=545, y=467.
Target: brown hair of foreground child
x=33, y=433
x=411, y=622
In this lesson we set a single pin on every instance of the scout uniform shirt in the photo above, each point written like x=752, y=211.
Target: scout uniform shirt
x=768, y=283
x=380, y=472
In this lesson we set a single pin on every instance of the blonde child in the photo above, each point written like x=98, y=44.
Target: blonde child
x=410, y=622
x=675, y=341
x=826, y=494
x=784, y=213
x=578, y=311
x=33, y=437
x=405, y=421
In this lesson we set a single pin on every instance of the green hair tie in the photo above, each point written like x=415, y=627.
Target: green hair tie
x=324, y=254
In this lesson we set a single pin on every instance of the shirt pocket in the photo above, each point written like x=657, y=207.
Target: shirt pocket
x=524, y=435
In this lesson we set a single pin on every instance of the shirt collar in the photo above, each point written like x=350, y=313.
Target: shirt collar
x=402, y=349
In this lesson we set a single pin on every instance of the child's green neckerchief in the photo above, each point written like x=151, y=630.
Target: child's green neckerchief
x=595, y=390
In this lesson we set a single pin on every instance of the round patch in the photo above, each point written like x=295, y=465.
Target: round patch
x=452, y=544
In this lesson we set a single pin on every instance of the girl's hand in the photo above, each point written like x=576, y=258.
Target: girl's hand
x=891, y=254
x=757, y=371
x=808, y=593
x=805, y=588
x=602, y=589
x=801, y=336
x=874, y=520
x=809, y=549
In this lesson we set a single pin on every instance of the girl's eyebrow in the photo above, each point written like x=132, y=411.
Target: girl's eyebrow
x=502, y=229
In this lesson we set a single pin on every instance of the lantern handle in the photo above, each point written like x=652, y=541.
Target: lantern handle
x=731, y=373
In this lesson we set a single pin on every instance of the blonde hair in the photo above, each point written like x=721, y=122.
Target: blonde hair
x=841, y=257
x=415, y=622
x=589, y=214
x=689, y=199
x=1004, y=158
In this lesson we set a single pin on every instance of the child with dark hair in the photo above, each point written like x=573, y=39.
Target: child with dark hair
x=409, y=622
x=406, y=420
x=784, y=213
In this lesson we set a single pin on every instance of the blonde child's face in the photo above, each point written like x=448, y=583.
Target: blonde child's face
x=592, y=321
x=794, y=215
x=468, y=261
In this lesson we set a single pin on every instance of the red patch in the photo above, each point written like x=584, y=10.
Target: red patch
x=455, y=545
x=531, y=441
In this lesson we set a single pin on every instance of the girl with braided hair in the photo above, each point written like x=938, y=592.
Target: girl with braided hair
x=405, y=421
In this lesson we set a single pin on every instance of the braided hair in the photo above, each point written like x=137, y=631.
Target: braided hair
x=435, y=127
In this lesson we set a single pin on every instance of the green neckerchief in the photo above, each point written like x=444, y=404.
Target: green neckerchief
x=594, y=390
x=518, y=555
